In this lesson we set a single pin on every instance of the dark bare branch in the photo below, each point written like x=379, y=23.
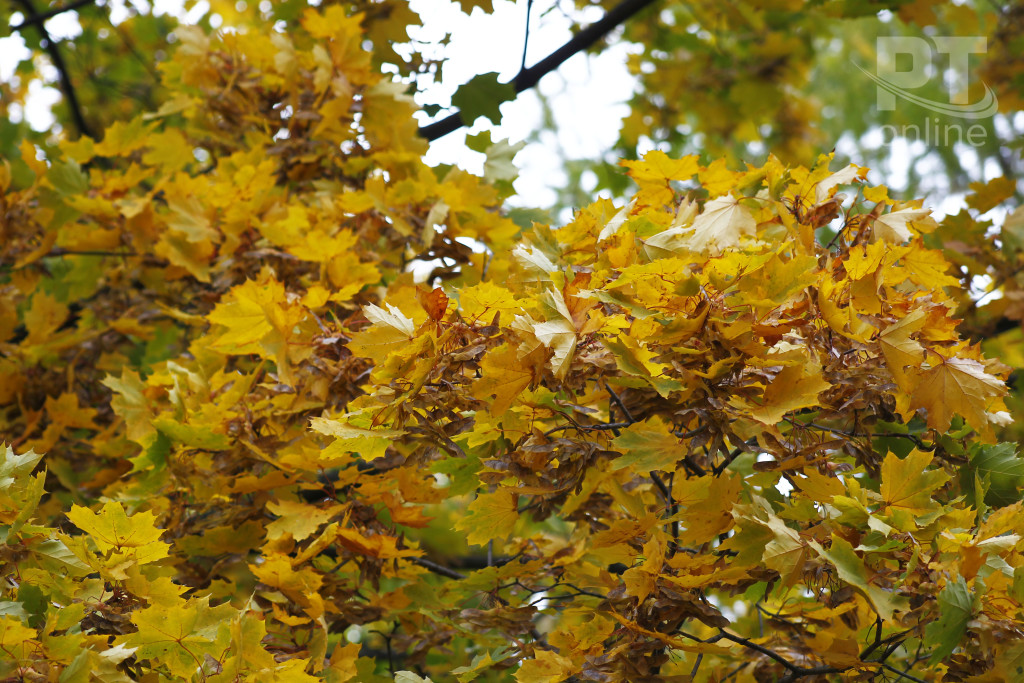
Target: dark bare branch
x=34, y=19
x=528, y=78
x=53, y=50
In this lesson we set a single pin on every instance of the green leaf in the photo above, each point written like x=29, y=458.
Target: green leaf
x=1001, y=466
x=482, y=97
x=647, y=446
x=851, y=569
x=956, y=605
x=68, y=178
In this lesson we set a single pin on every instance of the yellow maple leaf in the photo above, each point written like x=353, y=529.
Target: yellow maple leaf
x=300, y=520
x=795, y=387
x=717, y=178
x=504, y=378
x=391, y=330
x=43, y=318
x=928, y=268
x=989, y=195
x=491, y=516
x=907, y=483
x=826, y=188
x=14, y=634
x=376, y=545
x=178, y=634
x=486, y=298
x=343, y=662
x=956, y=386
x=545, y=667
x=901, y=351
x=302, y=584
x=244, y=312
x=112, y=529
x=654, y=173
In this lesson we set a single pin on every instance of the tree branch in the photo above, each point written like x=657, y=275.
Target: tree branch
x=795, y=671
x=50, y=14
x=58, y=62
x=527, y=78
x=437, y=568
x=902, y=674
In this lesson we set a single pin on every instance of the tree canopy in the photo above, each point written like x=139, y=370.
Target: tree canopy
x=279, y=401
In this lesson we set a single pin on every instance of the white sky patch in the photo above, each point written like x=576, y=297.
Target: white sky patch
x=39, y=106
x=12, y=51
x=587, y=94
x=64, y=26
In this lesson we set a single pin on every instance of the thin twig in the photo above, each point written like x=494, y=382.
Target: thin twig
x=528, y=78
x=853, y=435
x=526, y=36
x=902, y=674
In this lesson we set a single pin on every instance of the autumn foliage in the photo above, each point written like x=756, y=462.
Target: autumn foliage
x=683, y=438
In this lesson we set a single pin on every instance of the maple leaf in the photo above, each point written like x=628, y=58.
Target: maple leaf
x=491, y=516
x=14, y=466
x=824, y=189
x=988, y=195
x=956, y=607
x=44, y=317
x=634, y=358
x=895, y=226
x=720, y=225
x=247, y=652
x=901, y=351
x=956, y=386
x=545, y=667
x=653, y=173
x=14, y=635
x=504, y=378
x=487, y=298
x=481, y=96
x=908, y=484
x=181, y=635
x=559, y=335
x=795, y=387
x=851, y=569
x=343, y=663
x=299, y=520
x=112, y=529
x=390, y=331
x=647, y=446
